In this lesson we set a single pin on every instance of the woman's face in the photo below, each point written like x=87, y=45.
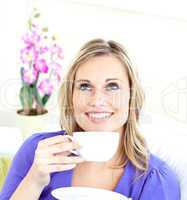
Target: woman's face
x=101, y=95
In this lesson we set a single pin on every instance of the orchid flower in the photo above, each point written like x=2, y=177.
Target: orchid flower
x=56, y=71
x=29, y=76
x=30, y=39
x=28, y=54
x=45, y=87
x=41, y=66
x=57, y=51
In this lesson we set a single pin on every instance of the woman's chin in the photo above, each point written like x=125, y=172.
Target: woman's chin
x=98, y=129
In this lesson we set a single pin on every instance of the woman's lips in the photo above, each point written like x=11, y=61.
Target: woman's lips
x=98, y=117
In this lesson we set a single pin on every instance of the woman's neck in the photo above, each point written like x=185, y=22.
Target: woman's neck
x=101, y=165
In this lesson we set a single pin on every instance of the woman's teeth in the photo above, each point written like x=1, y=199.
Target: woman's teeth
x=99, y=116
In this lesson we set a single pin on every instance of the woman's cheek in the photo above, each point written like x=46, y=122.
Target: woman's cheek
x=120, y=100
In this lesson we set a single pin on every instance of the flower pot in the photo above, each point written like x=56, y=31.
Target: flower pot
x=30, y=124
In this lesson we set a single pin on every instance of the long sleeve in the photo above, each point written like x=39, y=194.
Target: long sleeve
x=22, y=162
x=19, y=168
x=160, y=184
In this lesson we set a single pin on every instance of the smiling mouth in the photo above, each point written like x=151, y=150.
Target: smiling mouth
x=99, y=116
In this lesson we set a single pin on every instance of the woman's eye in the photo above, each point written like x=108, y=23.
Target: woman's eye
x=88, y=87
x=112, y=86
x=84, y=86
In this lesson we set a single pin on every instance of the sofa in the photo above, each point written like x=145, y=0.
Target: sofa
x=171, y=146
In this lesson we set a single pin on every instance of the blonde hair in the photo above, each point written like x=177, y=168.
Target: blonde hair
x=132, y=146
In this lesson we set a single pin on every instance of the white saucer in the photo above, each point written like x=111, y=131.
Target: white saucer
x=86, y=193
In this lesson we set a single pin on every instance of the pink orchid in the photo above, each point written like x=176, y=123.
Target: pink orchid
x=41, y=47
x=56, y=71
x=35, y=37
x=31, y=39
x=28, y=54
x=41, y=66
x=29, y=76
x=45, y=87
x=41, y=54
x=43, y=50
x=35, y=26
x=57, y=50
x=56, y=78
x=56, y=67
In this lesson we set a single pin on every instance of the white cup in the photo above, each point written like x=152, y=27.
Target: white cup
x=97, y=146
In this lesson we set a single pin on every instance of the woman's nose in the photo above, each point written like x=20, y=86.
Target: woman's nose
x=97, y=99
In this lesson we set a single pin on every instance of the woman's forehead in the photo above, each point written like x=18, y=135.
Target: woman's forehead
x=102, y=68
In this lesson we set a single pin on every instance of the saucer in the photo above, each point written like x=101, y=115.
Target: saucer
x=86, y=193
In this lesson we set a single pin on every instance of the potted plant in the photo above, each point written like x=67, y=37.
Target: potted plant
x=40, y=70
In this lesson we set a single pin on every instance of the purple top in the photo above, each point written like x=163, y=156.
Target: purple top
x=159, y=183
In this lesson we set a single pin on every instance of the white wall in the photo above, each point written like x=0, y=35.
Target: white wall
x=157, y=44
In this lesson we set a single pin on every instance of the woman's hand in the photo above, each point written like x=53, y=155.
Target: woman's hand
x=51, y=155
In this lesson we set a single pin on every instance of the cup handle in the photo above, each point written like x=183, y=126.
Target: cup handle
x=75, y=152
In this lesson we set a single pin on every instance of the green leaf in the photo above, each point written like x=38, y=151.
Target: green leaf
x=26, y=97
x=21, y=73
x=30, y=24
x=37, y=15
x=23, y=82
x=21, y=97
x=53, y=38
x=36, y=95
x=45, y=29
x=45, y=99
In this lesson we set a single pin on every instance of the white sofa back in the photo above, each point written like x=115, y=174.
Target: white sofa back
x=172, y=148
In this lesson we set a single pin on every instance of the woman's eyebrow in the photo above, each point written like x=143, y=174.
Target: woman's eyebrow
x=88, y=81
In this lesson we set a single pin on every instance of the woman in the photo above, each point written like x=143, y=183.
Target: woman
x=101, y=92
